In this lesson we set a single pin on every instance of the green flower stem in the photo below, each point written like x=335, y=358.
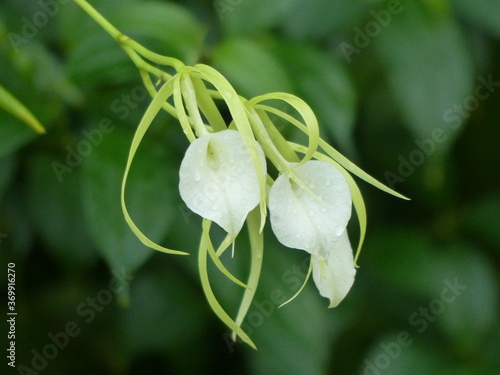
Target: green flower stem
x=148, y=83
x=132, y=48
x=277, y=138
x=209, y=294
x=152, y=56
x=189, y=96
x=257, y=248
x=207, y=105
x=96, y=16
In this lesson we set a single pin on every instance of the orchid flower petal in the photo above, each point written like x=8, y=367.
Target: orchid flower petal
x=335, y=275
x=218, y=180
x=310, y=223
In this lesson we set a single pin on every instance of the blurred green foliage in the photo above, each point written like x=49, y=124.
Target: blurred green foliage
x=407, y=89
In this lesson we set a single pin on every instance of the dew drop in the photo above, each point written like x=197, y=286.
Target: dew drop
x=339, y=230
x=328, y=183
x=298, y=236
x=197, y=177
x=215, y=207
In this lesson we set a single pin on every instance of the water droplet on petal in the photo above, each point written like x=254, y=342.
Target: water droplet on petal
x=339, y=230
x=328, y=183
x=215, y=207
x=197, y=177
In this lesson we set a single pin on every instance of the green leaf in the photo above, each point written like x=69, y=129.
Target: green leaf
x=7, y=166
x=428, y=68
x=249, y=17
x=151, y=196
x=158, y=292
x=481, y=219
x=10, y=104
x=98, y=59
x=328, y=17
x=162, y=27
x=167, y=28
x=250, y=68
x=405, y=260
x=66, y=238
x=325, y=85
x=484, y=14
x=13, y=134
x=398, y=354
x=473, y=313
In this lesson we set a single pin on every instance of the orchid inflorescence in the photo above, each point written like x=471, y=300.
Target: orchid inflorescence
x=224, y=178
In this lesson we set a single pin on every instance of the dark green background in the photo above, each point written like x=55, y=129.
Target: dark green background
x=392, y=103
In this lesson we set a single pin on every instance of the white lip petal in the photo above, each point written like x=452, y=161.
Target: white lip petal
x=300, y=220
x=334, y=277
x=218, y=180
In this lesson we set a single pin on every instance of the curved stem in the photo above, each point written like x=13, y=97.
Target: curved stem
x=131, y=48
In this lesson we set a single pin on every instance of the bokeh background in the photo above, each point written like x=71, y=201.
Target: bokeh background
x=409, y=90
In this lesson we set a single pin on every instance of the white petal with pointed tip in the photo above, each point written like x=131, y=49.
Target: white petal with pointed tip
x=334, y=277
x=218, y=180
x=300, y=220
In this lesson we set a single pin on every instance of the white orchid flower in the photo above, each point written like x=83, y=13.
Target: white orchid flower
x=311, y=222
x=334, y=276
x=316, y=222
x=223, y=176
x=218, y=181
